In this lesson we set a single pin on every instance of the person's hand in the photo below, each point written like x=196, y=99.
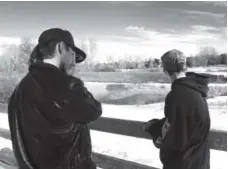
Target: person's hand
x=71, y=70
x=149, y=124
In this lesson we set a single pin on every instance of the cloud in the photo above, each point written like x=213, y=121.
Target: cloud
x=142, y=32
x=219, y=33
x=197, y=35
x=135, y=3
x=213, y=3
x=122, y=38
x=204, y=28
x=203, y=13
x=217, y=3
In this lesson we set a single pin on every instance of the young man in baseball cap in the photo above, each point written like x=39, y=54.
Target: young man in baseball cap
x=182, y=135
x=49, y=110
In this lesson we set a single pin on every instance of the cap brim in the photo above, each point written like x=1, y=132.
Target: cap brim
x=80, y=55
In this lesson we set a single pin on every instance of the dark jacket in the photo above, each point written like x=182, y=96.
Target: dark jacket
x=49, y=111
x=182, y=136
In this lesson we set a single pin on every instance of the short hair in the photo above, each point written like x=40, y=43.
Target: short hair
x=174, y=61
x=44, y=51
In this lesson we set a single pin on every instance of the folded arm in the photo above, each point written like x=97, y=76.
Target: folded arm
x=80, y=104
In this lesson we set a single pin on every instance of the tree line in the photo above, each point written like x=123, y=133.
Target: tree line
x=15, y=59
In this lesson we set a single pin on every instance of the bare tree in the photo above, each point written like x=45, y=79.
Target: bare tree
x=208, y=51
x=8, y=60
x=15, y=58
x=156, y=63
x=25, y=50
x=90, y=48
x=14, y=65
x=109, y=59
x=207, y=54
x=26, y=46
x=84, y=47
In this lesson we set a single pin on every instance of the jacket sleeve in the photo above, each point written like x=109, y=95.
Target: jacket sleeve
x=80, y=103
x=177, y=127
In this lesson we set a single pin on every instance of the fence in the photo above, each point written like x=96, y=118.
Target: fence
x=218, y=141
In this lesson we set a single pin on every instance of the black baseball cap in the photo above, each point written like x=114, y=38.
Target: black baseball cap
x=65, y=36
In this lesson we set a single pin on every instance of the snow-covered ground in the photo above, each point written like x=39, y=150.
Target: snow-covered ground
x=217, y=107
x=148, y=90
x=95, y=84
x=100, y=88
x=133, y=149
x=136, y=149
x=214, y=70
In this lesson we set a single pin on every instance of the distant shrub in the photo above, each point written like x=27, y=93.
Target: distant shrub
x=14, y=64
x=116, y=87
x=156, y=63
x=217, y=91
x=190, y=61
x=6, y=87
x=148, y=63
x=207, y=56
x=162, y=87
x=223, y=58
x=104, y=68
x=155, y=70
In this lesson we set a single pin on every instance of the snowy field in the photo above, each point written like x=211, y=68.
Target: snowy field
x=139, y=93
x=217, y=107
x=214, y=70
x=135, y=149
x=124, y=147
x=136, y=75
x=100, y=88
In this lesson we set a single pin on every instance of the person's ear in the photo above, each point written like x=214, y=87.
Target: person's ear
x=58, y=48
x=61, y=47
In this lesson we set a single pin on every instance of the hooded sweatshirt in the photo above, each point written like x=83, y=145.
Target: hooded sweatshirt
x=183, y=137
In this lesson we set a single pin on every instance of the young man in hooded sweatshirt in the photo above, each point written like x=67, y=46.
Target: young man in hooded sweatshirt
x=182, y=135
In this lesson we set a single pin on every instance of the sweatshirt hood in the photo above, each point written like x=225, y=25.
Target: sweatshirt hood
x=197, y=82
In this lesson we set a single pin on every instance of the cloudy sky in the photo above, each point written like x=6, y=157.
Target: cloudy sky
x=122, y=29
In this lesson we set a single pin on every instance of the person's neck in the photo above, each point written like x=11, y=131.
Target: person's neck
x=53, y=62
x=177, y=76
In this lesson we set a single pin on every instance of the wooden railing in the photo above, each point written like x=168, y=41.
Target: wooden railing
x=218, y=141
